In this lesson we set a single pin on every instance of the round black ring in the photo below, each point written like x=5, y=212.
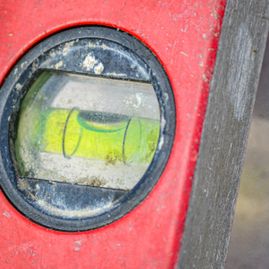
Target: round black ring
x=14, y=89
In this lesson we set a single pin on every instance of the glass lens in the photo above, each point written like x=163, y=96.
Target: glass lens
x=87, y=130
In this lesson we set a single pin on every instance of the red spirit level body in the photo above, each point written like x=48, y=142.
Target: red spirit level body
x=184, y=37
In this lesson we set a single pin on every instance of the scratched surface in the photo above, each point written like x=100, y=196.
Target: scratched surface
x=250, y=239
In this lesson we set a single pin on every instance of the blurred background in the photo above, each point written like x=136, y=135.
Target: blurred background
x=249, y=245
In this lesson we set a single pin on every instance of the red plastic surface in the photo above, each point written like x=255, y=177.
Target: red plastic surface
x=184, y=35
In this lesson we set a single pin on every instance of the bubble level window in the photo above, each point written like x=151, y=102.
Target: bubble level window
x=87, y=130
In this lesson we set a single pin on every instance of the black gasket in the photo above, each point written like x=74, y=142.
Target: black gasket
x=65, y=51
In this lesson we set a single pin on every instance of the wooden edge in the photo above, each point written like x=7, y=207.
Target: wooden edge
x=231, y=100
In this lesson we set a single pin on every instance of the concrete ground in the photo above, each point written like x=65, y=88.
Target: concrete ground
x=249, y=245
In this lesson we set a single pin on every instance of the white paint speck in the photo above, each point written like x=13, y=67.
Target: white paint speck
x=6, y=214
x=77, y=245
x=18, y=86
x=138, y=97
x=89, y=62
x=67, y=47
x=99, y=68
x=59, y=64
x=205, y=79
x=184, y=53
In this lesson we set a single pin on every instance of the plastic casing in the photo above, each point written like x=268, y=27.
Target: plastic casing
x=184, y=36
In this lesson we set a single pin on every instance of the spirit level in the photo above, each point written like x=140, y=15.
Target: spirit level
x=102, y=105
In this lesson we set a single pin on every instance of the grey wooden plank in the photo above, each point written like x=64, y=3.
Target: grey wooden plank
x=232, y=95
